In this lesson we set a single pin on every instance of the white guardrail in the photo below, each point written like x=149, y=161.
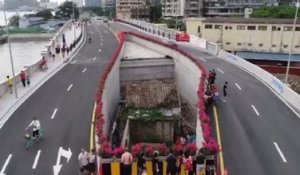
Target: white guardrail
x=290, y=97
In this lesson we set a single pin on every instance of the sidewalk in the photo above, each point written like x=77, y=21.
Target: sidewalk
x=9, y=103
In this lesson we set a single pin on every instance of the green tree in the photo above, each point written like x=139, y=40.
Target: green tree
x=274, y=12
x=14, y=20
x=93, y=10
x=46, y=14
x=66, y=10
x=155, y=13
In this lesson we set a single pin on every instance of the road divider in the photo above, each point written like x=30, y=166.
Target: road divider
x=255, y=110
x=36, y=159
x=280, y=152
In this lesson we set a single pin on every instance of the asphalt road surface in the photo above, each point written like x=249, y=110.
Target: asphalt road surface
x=259, y=132
x=68, y=98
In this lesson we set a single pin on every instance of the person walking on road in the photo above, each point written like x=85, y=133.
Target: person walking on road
x=23, y=78
x=171, y=164
x=83, y=161
x=200, y=158
x=141, y=164
x=28, y=80
x=92, y=162
x=225, y=88
x=126, y=160
x=9, y=83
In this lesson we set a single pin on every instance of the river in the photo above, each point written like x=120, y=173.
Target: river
x=23, y=54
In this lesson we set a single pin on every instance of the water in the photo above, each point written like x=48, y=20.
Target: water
x=23, y=54
x=9, y=14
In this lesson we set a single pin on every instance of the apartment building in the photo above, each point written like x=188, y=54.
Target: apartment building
x=247, y=34
x=108, y=3
x=132, y=9
x=173, y=8
x=90, y=3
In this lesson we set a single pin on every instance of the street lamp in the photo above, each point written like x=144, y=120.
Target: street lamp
x=10, y=53
x=292, y=42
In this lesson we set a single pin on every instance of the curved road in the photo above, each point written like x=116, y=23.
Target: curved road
x=259, y=132
x=71, y=92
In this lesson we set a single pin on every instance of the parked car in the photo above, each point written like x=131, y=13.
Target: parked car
x=184, y=37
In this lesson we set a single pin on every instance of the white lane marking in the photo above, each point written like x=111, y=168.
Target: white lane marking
x=101, y=44
x=94, y=58
x=280, y=152
x=83, y=70
x=5, y=164
x=36, y=159
x=220, y=70
x=69, y=88
x=238, y=86
x=54, y=113
x=255, y=110
x=99, y=50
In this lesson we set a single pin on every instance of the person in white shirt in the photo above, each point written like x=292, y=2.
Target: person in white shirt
x=36, y=126
x=83, y=161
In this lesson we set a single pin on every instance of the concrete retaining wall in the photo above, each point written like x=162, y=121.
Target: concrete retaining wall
x=111, y=94
x=139, y=70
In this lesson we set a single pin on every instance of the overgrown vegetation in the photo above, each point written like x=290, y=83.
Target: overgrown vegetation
x=274, y=12
x=144, y=114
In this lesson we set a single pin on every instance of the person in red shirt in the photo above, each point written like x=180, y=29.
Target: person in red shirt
x=23, y=78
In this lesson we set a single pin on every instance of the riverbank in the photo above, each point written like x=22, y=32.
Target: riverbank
x=21, y=37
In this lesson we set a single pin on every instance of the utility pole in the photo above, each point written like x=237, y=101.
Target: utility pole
x=10, y=54
x=291, y=46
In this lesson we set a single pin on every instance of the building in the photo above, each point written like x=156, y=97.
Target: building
x=233, y=7
x=173, y=8
x=193, y=8
x=90, y=3
x=46, y=4
x=108, y=4
x=136, y=9
x=250, y=34
x=79, y=3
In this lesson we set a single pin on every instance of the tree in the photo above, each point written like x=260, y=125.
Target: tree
x=66, y=10
x=155, y=13
x=274, y=12
x=14, y=20
x=46, y=14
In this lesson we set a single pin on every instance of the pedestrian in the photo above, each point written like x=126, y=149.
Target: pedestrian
x=179, y=160
x=200, y=158
x=23, y=78
x=156, y=169
x=141, y=164
x=126, y=160
x=171, y=164
x=43, y=65
x=92, y=162
x=225, y=88
x=83, y=161
x=28, y=80
x=9, y=83
x=188, y=163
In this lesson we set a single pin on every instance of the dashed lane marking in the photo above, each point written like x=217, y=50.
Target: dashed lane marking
x=255, y=110
x=69, y=88
x=238, y=86
x=54, y=113
x=5, y=164
x=84, y=70
x=94, y=58
x=36, y=160
x=280, y=152
x=220, y=70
